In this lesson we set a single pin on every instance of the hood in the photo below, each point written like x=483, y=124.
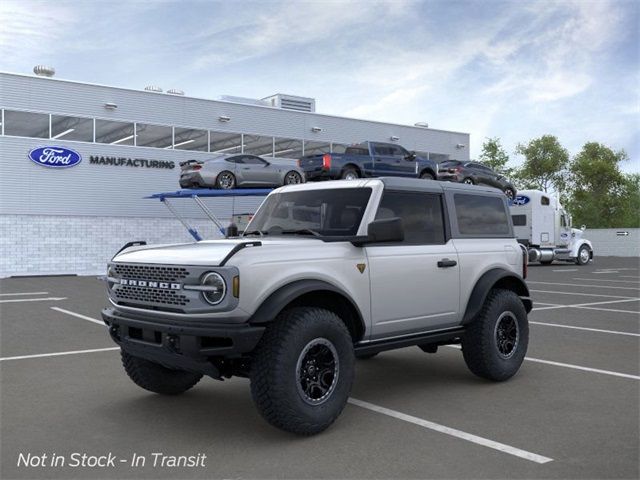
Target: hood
x=577, y=233
x=208, y=252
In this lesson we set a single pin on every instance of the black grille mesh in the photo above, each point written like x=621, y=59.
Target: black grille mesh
x=153, y=295
x=145, y=272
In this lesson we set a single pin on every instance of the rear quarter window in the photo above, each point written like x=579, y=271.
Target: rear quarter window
x=481, y=216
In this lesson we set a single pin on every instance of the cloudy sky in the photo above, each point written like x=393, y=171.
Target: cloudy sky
x=515, y=70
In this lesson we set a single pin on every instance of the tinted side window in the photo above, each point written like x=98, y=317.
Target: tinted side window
x=519, y=220
x=383, y=150
x=421, y=215
x=544, y=201
x=235, y=159
x=481, y=215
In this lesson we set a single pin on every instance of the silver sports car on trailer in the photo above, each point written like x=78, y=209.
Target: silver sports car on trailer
x=242, y=170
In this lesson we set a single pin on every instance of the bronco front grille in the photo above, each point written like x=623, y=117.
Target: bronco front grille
x=156, y=274
x=150, y=295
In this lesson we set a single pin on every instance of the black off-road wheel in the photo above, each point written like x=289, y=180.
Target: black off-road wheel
x=496, y=341
x=302, y=371
x=156, y=378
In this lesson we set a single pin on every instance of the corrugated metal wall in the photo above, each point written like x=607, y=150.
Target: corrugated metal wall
x=614, y=242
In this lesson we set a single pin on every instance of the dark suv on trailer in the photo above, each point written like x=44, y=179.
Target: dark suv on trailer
x=474, y=173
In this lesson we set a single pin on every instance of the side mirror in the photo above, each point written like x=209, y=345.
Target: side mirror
x=385, y=230
x=232, y=231
x=411, y=156
x=583, y=228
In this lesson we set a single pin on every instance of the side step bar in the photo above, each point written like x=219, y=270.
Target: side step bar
x=439, y=337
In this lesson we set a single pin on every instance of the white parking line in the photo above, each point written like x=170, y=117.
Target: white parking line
x=613, y=332
x=485, y=442
x=586, y=369
x=605, y=272
x=49, y=299
x=580, y=294
x=23, y=293
x=589, y=286
x=629, y=276
x=587, y=305
x=566, y=270
x=605, y=280
x=83, y=317
x=633, y=312
x=58, y=354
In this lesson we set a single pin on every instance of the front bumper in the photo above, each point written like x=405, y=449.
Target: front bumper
x=181, y=345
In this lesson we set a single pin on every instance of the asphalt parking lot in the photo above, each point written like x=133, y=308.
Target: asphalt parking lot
x=571, y=412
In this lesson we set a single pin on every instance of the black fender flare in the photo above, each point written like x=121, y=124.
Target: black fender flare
x=286, y=294
x=497, y=277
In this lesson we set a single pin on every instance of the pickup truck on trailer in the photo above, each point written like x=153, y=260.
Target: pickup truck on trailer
x=368, y=159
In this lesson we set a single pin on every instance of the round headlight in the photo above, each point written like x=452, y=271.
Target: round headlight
x=216, y=288
x=111, y=273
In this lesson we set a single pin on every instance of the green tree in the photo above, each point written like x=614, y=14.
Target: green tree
x=545, y=164
x=601, y=196
x=494, y=155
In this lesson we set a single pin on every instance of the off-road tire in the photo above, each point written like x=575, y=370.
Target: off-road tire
x=366, y=356
x=579, y=260
x=427, y=176
x=349, y=173
x=156, y=378
x=275, y=376
x=480, y=345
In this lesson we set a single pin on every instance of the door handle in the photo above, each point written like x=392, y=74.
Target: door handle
x=446, y=263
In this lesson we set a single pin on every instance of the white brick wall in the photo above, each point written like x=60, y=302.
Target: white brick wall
x=607, y=242
x=51, y=245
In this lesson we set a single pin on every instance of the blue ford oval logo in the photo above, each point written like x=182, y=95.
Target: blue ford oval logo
x=55, y=157
x=520, y=200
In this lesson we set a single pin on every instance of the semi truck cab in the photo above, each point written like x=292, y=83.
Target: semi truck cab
x=545, y=228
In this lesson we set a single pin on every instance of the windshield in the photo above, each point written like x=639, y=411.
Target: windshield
x=328, y=212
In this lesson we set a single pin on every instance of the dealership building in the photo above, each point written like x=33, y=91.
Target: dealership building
x=127, y=145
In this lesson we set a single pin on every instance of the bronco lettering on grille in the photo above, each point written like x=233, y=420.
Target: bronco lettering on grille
x=149, y=284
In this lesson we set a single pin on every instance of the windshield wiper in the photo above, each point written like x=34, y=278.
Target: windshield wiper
x=302, y=231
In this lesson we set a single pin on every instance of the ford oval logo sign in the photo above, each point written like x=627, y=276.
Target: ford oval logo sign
x=55, y=157
x=521, y=200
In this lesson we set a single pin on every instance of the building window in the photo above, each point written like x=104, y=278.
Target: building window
x=225, y=143
x=287, y=148
x=26, y=124
x=115, y=133
x=421, y=215
x=191, y=139
x=338, y=147
x=481, y=215
x=316, y=148
x=258, y=145
x=157, y=136
x=72, y=128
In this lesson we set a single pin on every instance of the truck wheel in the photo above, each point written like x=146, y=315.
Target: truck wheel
x=427, y=176
x=225, y=180
x=349, y=173
x=495, y=342
x=156, y=378
x=583, y=255
x=469, y=181
x=302, y=370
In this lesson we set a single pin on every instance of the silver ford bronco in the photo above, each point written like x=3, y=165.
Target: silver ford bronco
x=323, y=274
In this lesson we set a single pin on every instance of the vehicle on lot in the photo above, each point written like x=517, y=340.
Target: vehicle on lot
x=474, y=173
x=324, y=273
x=368, y=159
x=244, y=170
x=544, y=227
